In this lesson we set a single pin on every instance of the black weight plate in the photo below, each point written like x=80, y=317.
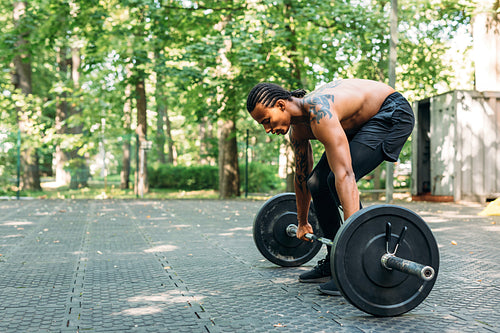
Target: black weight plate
x=358, y=248
x=269, y=232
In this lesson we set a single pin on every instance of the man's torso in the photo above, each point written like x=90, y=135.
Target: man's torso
x=354, y=102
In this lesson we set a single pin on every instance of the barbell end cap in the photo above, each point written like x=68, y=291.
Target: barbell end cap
x=427, y=273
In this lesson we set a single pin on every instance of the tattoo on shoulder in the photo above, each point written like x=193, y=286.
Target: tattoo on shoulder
x=320, y=107
x=320, y=103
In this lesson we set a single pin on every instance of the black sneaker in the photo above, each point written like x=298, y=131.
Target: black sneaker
x=321, y=273
x=329, y=288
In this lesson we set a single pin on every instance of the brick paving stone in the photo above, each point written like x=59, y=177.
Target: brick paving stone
x=192, y=266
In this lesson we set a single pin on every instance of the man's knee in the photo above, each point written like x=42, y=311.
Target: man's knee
x=317, y=184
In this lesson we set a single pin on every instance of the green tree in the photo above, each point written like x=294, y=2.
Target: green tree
x=22, y=81
x=178, y=71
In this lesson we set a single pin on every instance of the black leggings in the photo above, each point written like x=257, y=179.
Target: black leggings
x=321, y=184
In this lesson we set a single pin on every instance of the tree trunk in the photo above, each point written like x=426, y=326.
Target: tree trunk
x=63, y=177
x=78, y=172
x=229, y=175
x=126, y=146
x=30, y=175
x=79, y=175
x=142, y=176
x=289, y=159
x=161, y=106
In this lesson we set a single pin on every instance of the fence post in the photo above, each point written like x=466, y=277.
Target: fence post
x=246, y=167
x=18, y=163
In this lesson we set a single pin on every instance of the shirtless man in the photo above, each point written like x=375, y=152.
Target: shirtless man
x=360, y=124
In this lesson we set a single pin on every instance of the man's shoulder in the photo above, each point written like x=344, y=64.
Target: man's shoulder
x=321, y=91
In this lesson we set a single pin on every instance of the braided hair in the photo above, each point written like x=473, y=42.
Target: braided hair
x=269, y=93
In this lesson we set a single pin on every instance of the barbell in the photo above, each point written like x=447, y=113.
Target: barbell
x=381, y=272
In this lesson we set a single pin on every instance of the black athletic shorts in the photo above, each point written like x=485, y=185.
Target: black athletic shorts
x=391, y=126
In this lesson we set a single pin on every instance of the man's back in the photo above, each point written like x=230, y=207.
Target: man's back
x=354, y=101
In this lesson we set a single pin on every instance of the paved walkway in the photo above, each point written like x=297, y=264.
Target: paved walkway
x=191, y=266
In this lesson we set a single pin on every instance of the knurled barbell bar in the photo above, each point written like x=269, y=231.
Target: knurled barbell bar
x=367, y=273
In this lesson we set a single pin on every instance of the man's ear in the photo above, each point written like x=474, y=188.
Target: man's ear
x=280, y=103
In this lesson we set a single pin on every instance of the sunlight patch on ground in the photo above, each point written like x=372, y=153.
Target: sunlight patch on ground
x=13, y=236
x=158, y=303
x=162, y=248
x=168, y=297
x=179, y=226
x=434, y=219
x=241, y=228
x=142, y=311
x=284, y=280
x=16, y=223
x=443, y=229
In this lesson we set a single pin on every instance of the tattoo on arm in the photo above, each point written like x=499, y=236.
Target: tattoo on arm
x=320, y=103
x=301, y=162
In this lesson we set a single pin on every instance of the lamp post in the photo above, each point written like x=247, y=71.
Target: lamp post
x=389, y=179
x=18, y=163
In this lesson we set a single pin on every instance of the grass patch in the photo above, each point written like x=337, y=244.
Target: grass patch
x=96, y=190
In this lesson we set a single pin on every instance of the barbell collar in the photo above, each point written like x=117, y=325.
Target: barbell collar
x=291, y=230
x=423, y=272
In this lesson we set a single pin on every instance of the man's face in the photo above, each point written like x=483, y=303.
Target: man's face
x=274, y=119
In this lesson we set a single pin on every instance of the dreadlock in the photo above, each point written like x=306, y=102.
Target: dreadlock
x=269, y=93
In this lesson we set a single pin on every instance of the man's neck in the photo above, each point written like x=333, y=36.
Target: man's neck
x=299, y=114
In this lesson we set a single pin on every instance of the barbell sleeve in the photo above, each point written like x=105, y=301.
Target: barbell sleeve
x=388, y=260
x=423, y=272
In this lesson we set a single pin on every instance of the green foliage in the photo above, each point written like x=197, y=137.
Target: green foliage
x=183, y=177
x=262, y=178
x=199, y=60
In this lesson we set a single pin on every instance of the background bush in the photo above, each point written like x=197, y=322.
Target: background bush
x=262, y=178
x=180, y=177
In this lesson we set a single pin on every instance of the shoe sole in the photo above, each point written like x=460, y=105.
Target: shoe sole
x=318, y=280
x=330, y=292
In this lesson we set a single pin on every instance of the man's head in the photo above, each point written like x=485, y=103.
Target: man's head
x=269, y=93
x=267, y=103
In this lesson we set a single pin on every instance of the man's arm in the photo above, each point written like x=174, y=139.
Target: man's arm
x=330, y=132
x=327, y=129
x=303, y=166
